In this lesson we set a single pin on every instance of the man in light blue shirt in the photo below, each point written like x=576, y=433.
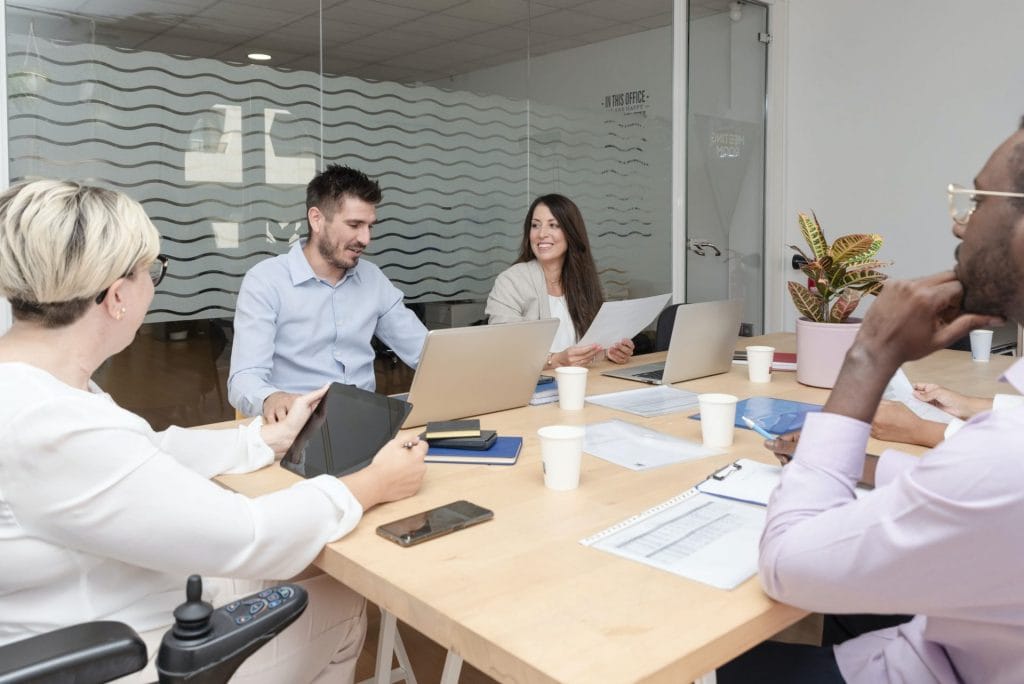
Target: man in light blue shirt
x=306, y=318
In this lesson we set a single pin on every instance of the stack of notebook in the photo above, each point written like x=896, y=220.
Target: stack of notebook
x=462, y=441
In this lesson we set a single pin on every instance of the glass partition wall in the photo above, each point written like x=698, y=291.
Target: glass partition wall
x=465, y=110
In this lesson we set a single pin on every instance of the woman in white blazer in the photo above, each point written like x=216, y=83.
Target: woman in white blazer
x=555, y=277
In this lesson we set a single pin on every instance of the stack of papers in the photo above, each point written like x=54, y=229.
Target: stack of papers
x=639, y=448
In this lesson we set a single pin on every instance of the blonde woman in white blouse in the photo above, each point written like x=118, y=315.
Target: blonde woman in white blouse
x=103, y=518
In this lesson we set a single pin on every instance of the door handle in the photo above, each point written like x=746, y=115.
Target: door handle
x=698, y=247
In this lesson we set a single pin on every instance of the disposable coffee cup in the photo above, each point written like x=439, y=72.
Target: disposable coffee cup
x=572, y=387
x=759, y=363
x=717, y=418
x=981, y=345
x=561, y=449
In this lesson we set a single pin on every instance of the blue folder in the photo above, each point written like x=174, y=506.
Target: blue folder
x=504, y=451
x=774, y=415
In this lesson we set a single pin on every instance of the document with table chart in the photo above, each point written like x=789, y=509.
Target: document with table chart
x=693, y=535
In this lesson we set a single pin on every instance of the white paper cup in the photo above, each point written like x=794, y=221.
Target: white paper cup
x=572, y=387
x=759, y=363
x=561, y=449
x=981, y=344
x=717, y=415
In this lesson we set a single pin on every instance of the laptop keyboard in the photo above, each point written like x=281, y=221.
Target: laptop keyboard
x=652, y=375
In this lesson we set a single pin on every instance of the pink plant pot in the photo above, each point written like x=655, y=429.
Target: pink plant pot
x=821, y=349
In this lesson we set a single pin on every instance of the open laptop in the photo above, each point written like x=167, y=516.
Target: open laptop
x=703, y=340
x=480, y=369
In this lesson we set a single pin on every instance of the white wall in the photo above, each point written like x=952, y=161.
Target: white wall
x=888, y=102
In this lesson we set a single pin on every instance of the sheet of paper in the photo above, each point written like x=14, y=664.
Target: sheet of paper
x=622, y=320
x=693, y=535
x=648, y=401
x=639, y=448
x=900, y=389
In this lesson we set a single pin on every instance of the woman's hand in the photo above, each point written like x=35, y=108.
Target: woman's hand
x=581, y=355
x=953, y=403
x=894, y=422
x=621, y=351
x=396, y=472
x=280, y=435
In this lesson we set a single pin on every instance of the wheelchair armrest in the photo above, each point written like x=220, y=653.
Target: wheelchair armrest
x=85, y=653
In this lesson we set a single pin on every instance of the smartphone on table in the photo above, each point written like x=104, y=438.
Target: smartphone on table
x=434, y=523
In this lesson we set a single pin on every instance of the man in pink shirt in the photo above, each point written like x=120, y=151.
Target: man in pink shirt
x=942, y=536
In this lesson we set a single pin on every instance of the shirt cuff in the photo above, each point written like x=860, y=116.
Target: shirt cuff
x=348, y=506
x=833, y=442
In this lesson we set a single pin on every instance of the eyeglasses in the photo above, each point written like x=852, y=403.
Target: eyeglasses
x=157, y=271
x=963, y=201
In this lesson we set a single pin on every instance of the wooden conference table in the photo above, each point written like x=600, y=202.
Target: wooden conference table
x=522, y=600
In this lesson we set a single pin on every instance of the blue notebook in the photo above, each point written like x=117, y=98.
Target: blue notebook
x=774, y=415
x=504, y=451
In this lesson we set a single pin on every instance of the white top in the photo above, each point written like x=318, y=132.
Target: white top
x=103, y=518
x=565, y=337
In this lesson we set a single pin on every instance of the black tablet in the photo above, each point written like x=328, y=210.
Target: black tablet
x=345, y=432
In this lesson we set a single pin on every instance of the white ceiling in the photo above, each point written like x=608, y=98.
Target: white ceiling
x=395, y=40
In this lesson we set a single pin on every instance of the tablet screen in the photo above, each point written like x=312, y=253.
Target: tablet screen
x=345, y=431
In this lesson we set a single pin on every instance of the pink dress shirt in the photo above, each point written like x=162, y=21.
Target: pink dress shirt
x=941, y=537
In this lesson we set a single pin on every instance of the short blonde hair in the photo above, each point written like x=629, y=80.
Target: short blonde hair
x=62, y=243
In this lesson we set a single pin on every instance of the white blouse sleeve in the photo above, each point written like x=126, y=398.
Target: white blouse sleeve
x=97, y=481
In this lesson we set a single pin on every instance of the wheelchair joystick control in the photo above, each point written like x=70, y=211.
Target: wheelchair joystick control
x=192, y=618
x=207, y=645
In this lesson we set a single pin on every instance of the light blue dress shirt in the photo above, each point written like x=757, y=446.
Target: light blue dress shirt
x=295, y=332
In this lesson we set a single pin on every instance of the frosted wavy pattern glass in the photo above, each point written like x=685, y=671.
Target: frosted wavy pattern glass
x=220, y=154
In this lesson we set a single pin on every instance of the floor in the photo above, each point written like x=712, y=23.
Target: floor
x=178, y=376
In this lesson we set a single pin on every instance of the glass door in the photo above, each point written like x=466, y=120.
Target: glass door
x=725, y=160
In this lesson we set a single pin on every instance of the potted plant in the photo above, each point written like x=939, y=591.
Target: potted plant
x=839, y=275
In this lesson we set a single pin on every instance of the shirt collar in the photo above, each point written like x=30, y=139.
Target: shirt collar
x=300, y=270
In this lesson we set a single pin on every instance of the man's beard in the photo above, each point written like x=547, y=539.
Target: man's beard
x=990, y=282
x=328, y=251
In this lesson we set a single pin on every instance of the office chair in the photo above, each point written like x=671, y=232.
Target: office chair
x=663, y=332
x=205, y=646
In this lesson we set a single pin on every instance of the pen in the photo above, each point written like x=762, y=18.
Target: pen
x=757, y=428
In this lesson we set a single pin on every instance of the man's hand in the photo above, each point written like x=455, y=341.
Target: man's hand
x=913, y=318
x=783, y=446
x=396, y=472
x=894, y=422
x=276, y=406
x=909, y=320
x=621, y=351
x=279, y=435
x=953, y=403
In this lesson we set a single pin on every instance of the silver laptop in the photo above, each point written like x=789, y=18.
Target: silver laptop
x=480, y=369
x=703, y=340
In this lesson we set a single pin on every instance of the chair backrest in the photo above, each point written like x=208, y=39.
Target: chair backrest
x=663, y=333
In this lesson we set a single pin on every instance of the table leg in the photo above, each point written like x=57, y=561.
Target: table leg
x=452, y=668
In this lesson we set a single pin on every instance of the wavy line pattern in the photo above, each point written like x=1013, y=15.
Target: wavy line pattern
x=458, y=169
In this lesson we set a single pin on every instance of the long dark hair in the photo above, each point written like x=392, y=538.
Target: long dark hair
x=580, y=284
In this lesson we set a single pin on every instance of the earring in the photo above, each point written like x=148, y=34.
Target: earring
x=121, y=313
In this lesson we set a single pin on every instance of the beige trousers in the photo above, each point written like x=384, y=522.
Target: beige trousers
x=322, y=646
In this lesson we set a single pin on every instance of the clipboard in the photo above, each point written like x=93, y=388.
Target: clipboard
x=344, y=432
x=744, y=480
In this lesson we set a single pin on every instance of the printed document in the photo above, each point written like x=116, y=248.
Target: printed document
x=622, y=320
x=692, y=535
x=639, y=448
x=648, y=401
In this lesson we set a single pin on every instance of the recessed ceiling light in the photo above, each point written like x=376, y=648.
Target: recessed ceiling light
x=258, y=56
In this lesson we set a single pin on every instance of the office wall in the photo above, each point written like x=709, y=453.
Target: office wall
x=888, y=102
x=622, y=182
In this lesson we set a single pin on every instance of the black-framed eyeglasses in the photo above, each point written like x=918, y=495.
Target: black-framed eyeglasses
x=157, y=271
x=962, y=202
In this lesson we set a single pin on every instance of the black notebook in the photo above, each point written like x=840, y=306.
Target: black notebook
x=345, y=432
